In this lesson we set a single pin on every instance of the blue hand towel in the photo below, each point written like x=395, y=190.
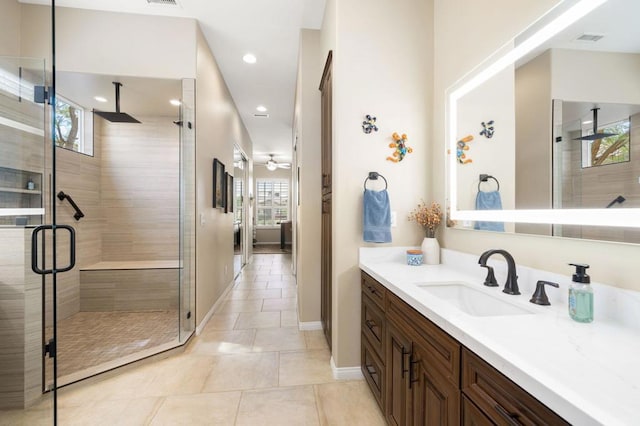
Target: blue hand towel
x=377, y=217
x=488, y=201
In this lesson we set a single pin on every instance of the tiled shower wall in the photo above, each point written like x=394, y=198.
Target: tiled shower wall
x=140, y=192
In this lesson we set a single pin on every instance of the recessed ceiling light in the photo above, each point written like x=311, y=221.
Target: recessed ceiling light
x=174, y=102
x=261, y=108
x=249, y=58
x=587, y=122
x=100, y=99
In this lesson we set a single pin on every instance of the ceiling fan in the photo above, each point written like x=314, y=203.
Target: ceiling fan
x=272, y=164
x=595, y=135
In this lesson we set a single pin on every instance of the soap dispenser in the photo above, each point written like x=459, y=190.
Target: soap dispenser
x=581, y=295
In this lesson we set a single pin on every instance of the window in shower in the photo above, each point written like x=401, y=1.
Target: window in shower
x=73, y=131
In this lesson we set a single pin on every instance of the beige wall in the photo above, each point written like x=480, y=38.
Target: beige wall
x=382, y=64
x=533, y=136
x=583, y=76
x=610, y=262
x=112, y=43
x=10, y=28
x=488, y=155
x=307, y=129
x=218, y=127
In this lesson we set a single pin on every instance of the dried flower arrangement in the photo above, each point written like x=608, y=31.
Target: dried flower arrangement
x=429, y=217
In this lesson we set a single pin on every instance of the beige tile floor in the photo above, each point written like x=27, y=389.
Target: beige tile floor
x=250, y=366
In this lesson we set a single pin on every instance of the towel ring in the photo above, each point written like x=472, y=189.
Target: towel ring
x=485, y=178
x=374, y=176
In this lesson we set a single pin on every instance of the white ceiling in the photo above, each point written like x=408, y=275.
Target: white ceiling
x=267, y=28
x=139, y=96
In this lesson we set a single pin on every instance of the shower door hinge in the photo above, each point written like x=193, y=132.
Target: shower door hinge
x=50, y=348
x=42, y=94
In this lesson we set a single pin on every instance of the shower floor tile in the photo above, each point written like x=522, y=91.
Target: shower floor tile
x=89, y=339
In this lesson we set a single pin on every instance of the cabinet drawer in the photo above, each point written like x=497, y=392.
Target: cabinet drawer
x=373, y=371
x=472, y=416
x=440, y=350
x=373, y=325
x=499, y=398
x=374, y=290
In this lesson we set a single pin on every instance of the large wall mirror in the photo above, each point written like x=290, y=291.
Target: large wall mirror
x=544, y=136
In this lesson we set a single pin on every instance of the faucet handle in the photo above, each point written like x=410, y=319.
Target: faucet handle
x=490, y=281
x=539, y=296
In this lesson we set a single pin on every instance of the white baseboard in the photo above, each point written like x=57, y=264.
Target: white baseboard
x=346, y=373
x=213, y=309
x=310, y=325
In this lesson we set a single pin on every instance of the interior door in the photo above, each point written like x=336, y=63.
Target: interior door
x=28, y=260
x=240, y=166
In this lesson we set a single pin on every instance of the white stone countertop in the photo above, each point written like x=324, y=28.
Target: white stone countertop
x=587, y=373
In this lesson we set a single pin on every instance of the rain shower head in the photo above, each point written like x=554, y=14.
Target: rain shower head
x=595, y=135
x=117, y=116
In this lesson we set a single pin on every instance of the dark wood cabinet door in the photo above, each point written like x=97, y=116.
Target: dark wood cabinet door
x=326, y=87
x=472, y=416
x=435, y=401
x=325, y=269
x=397, y=369
x=503, y=401
x=373, y=371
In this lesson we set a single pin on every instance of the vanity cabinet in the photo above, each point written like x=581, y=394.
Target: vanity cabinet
x=373, y=335
x=420, y=375
x=472, y=416
x=499, y=398
x=424, y=369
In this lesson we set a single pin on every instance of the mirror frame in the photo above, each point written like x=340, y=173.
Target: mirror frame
x=553, y=22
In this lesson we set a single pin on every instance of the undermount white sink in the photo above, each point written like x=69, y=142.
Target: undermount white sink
x=471, y=301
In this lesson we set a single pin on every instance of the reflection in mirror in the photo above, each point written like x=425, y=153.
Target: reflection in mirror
x=596, y=163
x=573, y=73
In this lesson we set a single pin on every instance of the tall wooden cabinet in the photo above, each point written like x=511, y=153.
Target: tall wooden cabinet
x=420, y=375
x=326, y=87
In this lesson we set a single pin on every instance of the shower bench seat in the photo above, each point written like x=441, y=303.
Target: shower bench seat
x=132, y=285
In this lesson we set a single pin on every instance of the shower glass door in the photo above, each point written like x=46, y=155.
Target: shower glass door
x=27, y=322
x=187, y=219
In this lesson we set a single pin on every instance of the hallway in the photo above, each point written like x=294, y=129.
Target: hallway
x=250, y=366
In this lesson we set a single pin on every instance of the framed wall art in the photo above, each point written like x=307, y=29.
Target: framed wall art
x=218, y=184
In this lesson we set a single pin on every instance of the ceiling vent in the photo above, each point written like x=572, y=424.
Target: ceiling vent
x=261, y=115
x=163, y=2
x=590, y=37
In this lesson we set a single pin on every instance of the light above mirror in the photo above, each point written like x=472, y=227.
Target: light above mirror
x=501, y=89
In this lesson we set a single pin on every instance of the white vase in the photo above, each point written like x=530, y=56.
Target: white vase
x=430, y=251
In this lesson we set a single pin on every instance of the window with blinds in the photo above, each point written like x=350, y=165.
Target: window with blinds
x=272, y=197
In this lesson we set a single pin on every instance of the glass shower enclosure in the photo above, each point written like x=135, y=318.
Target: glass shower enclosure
x=73, y=193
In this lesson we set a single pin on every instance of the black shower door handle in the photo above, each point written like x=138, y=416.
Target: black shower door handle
x=34, y=249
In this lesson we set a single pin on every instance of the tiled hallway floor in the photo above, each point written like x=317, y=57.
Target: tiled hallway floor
x=250, y=366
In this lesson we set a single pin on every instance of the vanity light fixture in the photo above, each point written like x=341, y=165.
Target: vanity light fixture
x=499, y=63
x=261, y=108
x=175, y=102
x=250, y=58
x=100, y=99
